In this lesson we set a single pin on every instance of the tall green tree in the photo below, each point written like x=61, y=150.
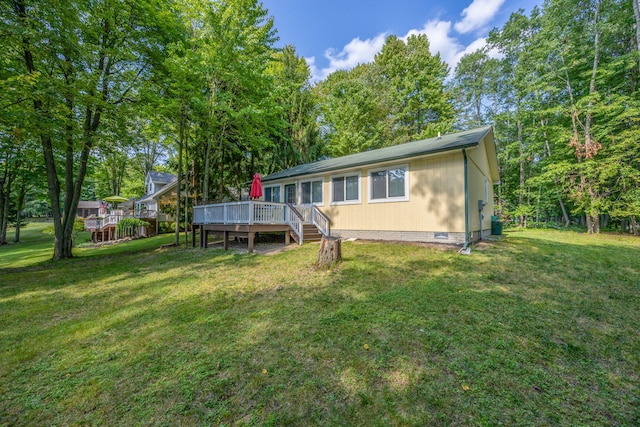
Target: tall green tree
x=294, y=129
x=353, y=112
x=83, y=59
x=399, y=97
x=476, y=87
x=420, y=104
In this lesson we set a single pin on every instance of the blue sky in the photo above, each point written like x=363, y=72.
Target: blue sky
x=334, y=34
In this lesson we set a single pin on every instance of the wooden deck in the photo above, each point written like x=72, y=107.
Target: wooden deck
x=250, y=217
x=104, y=228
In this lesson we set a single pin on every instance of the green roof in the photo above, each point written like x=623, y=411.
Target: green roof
x=449, y=142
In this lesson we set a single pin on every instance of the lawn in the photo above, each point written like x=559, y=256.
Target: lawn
x=539, y=328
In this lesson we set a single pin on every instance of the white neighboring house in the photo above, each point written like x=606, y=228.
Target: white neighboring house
x=157, y=185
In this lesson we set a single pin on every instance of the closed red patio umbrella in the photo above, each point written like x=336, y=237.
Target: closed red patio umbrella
x=256, y=187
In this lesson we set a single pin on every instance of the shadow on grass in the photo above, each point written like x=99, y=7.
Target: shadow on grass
x=512, y=334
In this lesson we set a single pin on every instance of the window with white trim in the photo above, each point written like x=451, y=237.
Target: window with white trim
x=311, y=192
x=345, y=189
x=272, y=194
x=391, y=184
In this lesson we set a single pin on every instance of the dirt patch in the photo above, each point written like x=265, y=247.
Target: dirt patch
x=260, y=248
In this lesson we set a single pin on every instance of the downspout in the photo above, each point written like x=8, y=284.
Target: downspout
x=465, y=249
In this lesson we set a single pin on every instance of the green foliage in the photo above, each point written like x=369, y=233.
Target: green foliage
x=165, y=227
x=564, y=102
x=397, y=98
x=127, y=223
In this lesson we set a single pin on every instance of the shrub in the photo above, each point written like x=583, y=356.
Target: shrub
x=130, y=225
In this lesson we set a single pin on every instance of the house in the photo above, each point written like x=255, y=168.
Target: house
x=88, y=208
x=433, y=190
x=157, y=185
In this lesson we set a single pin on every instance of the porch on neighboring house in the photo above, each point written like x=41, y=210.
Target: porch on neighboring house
x=154, y=218
x=245, y=219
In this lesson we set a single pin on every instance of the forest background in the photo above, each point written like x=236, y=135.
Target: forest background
x=96, y=93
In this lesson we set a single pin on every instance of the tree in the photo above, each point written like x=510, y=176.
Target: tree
x=353, y=117
x=83, y=59
x=420, y=105
x=294, y=128
x=476, y=86
x=397, y=98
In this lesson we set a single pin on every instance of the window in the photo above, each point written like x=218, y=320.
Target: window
x=389, y=184
x=311, y=192
x=272, y=194
x=345, y=189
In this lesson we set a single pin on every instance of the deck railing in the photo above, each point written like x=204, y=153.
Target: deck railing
x=113, y=218
x=295, y=220
x=248, y=213
x=312, y=215
x=321, y=221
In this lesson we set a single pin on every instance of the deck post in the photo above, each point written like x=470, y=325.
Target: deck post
x=287, y=237
x=225, y=235
x=251, y=238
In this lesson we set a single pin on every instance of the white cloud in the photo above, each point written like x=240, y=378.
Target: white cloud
x=355, y=52
x=473, y=46
x=441, y=35
x=478, y=14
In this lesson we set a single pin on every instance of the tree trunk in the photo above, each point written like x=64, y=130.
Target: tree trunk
x=21, y=197
x=636, y=12
x=593, y=223
x=179, y=184
x=633, y=224
x=522, y=174
x=565, y=215
x=330, y=251
x=4, y=210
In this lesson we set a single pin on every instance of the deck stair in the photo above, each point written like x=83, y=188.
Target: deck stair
x=310, y=233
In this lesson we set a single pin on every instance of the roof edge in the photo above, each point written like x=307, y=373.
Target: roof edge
x=300, y=170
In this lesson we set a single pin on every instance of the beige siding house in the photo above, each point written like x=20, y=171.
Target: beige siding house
x=433, y=190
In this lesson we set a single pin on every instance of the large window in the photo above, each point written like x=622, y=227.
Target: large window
x=272, y=194
x=389, y=184
x=311, y=192
x=345, y=189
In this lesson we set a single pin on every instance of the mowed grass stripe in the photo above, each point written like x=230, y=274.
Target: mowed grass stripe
x=538, y=328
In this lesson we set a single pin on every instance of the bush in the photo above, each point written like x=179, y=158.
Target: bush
x=130, y=226
x=164, y=227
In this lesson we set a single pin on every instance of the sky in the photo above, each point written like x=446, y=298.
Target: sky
x=334, y=34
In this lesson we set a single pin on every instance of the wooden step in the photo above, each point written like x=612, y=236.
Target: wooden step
x=310, y=233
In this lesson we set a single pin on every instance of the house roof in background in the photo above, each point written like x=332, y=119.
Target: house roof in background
x=155, y=196
x=162, y=177
x=448, y=142
x=87, y=204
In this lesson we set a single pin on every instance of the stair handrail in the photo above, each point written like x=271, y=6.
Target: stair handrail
x=321, y=221
x=294, y=220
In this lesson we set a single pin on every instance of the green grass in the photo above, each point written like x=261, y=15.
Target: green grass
x=540, y=328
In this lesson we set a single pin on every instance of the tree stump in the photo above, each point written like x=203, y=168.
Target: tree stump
x=330, y=251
